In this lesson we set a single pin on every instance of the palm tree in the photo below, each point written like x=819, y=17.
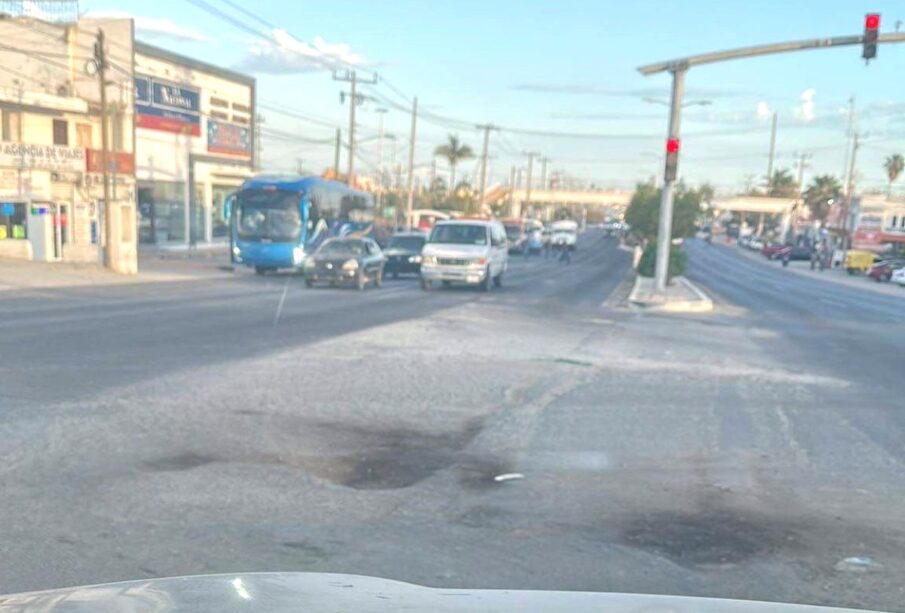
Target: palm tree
x=782, y=184
x=894, y=165
x=454, y=151
x=820, y=194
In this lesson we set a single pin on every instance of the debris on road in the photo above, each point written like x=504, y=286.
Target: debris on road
x=508, y=477
x=858, y=564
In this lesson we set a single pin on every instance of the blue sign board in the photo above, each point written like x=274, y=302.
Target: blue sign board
x=161, y=105
x=8, y=209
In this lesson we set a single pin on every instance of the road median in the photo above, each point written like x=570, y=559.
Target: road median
x=682, y=296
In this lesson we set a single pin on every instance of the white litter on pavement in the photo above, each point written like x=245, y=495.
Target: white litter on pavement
x=508, y=477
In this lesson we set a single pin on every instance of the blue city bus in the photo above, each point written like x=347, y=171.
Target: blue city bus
x=275, y=221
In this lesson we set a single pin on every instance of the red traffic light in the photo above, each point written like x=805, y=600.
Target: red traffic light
x=672, y=145
x=872, y=21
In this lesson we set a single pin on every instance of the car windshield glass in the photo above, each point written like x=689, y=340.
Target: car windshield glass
x=342, y=248
x=268, y=215
x=513, y=232
x=459, y=234
x=408, y=243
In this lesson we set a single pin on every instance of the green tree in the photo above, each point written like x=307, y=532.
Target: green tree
x=643, y=212
x=894, y=165
x=454, y=151
x=782, y=184
x=820, y=193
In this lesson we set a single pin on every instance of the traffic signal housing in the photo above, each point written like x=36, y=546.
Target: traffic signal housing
x=672, y=159
x=871, y=34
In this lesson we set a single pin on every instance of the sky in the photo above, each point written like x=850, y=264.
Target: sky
x=560, y=67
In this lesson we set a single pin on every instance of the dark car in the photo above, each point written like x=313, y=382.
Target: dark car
x=770, y=250
x=882, y=270
x=789, y=253
x=403, y=254
x=355, y=261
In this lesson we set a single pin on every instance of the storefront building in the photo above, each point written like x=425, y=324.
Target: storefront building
x=51, y=188
x=194, y=145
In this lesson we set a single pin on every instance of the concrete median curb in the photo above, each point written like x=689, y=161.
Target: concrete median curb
x=682, y=296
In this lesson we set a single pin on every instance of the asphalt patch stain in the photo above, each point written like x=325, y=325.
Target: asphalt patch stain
x=305, y=547
x=480, y=516
x=709, y=538
x=182, y=461
x=388, y=459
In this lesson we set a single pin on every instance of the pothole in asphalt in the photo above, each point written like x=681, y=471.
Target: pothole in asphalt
x=388, y=459
x=720, y=537
x=183, y=461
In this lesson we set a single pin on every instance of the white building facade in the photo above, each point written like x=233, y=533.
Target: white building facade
x=195, y=140
x=51, y=189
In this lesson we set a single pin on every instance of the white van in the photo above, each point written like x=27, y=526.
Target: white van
x=565, y=233
x=472, y=251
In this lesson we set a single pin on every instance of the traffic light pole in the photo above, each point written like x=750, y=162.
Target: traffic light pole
x=679, y=67
x=664, y=232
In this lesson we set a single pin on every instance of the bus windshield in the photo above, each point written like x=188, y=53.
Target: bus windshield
x=271, y=215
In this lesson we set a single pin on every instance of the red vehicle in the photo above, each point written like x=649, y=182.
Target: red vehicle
x=882, y=270
x=770, y=250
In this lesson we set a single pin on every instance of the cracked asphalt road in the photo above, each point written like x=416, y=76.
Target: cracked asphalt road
x=182, y=427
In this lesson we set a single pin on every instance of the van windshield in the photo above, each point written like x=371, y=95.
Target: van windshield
x=459, y=234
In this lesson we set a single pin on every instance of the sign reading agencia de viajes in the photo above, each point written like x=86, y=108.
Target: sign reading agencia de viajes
x=42, y=157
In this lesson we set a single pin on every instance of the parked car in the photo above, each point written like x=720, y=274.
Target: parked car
x=756, y=243
x=744, y=241
x=403, y=254
x=859, y=261
x=898, y=276
x=355, y=261
x=882, y=270
x=472, y=251
x=534, y=243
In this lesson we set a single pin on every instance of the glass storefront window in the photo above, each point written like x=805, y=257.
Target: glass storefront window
x=12, y=220
x=219, y=224
x=161, y=210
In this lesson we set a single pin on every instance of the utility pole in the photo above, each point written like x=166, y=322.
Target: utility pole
x=543, y=172
x=381, y=112
x=850, y=133
x=531, y=155
x=511, y=186
x=258, y=152
x=336, y=147
x=100, y=61
x=849, y=193
x=772, y=149
x=354, y=100
x=482, y=182
x=411, y=177
x=433, y=172
x=664, y=231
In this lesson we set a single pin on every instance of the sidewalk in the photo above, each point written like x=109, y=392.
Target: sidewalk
x=833, y=275
x=25, y=274
x=682, y=296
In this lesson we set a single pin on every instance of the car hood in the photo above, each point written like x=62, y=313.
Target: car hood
x=311, y=592
x=445, y=250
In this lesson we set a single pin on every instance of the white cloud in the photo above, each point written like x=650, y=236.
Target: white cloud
x=285, y=54
x=154, y=27
x=805, y=111
x=763, y=110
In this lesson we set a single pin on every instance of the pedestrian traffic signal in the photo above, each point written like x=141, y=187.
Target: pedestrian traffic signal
x=871, y=34
x=672, y=159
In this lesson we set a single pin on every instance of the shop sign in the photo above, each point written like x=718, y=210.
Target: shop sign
x=121, y=162
x=42, y=157
x=169, y=107
x=228, y=138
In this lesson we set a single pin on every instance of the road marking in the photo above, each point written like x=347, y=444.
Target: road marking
x=276, y=317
